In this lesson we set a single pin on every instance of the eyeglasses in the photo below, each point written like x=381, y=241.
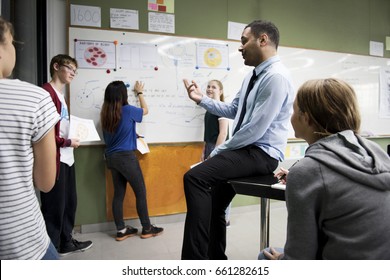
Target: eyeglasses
x=70, y=69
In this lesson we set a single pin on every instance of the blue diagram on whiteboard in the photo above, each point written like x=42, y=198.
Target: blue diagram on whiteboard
x=86, y=97
x=177, y=55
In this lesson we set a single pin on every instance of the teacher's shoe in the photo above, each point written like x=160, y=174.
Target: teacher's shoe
x=151, y=232
x=74, y=246
x=130, y=231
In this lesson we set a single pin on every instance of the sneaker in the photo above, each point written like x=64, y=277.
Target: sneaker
x=152, y=232
x=130, y=231
x=74, y=246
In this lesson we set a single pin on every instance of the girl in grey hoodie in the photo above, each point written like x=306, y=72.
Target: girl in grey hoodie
x=338, y=195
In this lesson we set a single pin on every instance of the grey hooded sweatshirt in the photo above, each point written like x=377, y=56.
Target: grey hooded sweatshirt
x=338, y=201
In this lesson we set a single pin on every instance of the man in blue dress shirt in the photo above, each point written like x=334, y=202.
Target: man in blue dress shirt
x=261, y=111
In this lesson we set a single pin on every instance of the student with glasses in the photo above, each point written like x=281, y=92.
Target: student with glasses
x=59, y=205
x=70, y=69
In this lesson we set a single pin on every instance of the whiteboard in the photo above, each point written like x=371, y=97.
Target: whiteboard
x=361, y=72
x=162, y=61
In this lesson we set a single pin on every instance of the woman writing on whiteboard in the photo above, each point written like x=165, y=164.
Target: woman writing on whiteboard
x=216, y=129
x=118, y=120
x=338, y=195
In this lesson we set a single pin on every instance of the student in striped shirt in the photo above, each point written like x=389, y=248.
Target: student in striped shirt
x=27, y=159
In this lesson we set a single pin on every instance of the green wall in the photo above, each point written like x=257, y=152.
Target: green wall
x=91, y=185
x=334, y=25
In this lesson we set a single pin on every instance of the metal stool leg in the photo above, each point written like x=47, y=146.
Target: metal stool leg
x=264, y=223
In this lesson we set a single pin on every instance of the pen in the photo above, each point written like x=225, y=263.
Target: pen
x=283, y=177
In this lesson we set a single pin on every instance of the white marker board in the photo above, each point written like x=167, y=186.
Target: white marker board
x=163, y=61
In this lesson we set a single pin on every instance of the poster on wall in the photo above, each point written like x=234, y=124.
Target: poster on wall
x=85, y=15
x=212, y=55
x=95, y=54
x=162, y=6
x=122, y=18
x=160, y=22
x=235, y=30
x=138, y=56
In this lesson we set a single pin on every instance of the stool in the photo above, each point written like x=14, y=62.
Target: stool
x=260, y=186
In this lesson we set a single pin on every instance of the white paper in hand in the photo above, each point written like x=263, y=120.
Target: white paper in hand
x=83, y=129
x=142, y=146
x=279, y=186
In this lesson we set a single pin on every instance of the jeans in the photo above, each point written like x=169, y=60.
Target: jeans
x=51, y=253
x=208, y=195
x=125, y=168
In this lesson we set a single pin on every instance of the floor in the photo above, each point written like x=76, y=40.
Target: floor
x=243, y=237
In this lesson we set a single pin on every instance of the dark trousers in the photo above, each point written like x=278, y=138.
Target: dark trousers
x=208, y=194
x=125, y=168
x=59, y=206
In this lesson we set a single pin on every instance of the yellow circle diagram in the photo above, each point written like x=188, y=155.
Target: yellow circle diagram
x=212, y=57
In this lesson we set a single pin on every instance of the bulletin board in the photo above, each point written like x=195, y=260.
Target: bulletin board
x=162, y=61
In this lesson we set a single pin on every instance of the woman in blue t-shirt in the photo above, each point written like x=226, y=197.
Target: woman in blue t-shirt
x=118, y=120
